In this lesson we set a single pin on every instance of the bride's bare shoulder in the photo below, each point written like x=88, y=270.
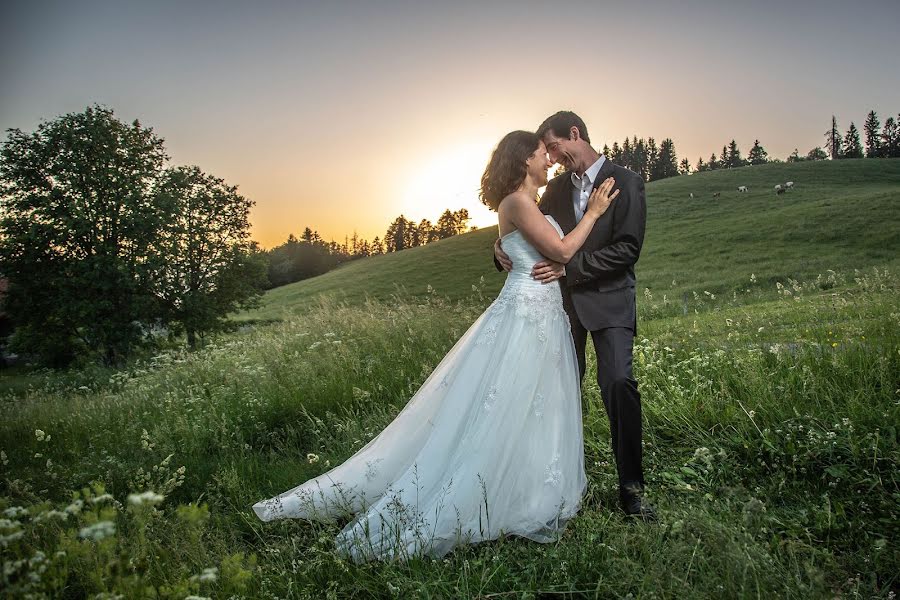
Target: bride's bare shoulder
x=516, y=201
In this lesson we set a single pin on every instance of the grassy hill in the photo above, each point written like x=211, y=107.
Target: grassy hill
x=841, y=215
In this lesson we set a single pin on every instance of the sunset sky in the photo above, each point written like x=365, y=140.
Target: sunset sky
x=342, y=115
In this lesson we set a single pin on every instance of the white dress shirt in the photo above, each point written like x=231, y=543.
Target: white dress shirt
x=584, y=185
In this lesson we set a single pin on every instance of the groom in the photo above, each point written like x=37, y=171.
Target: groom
x=598, y=285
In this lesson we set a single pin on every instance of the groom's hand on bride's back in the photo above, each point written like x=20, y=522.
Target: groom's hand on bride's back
x=547, y=271
x=502, y=257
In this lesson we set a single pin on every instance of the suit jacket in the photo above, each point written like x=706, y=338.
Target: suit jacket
x=599, y=286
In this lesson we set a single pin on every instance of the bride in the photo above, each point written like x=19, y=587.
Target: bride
x=491, y=444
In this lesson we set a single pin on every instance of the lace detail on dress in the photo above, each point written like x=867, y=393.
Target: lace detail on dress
x=554, y=475
x=489, y=399
x=539, y=405
x=538, y=306
x=372, y=468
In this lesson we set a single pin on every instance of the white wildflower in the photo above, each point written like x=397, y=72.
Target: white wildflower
x=6, y=539
x=209, y=574
x=40, y=435
x=312, y=458
x=13, y=512
x=98, y=531
x=148, y=497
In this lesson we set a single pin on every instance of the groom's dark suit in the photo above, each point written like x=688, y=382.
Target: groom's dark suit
x=599, y=296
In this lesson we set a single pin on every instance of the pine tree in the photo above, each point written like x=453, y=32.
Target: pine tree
x=666, y=160
x=713, y=162
x=684, y=167
x=795, y=157
x=734, y=156
x=605, y=150
x=724, y=163
x=627, y=155
x=640, y=157
x=890, y=139
x=873, y=138
x=653, y=172
x=758, y=154
x=833, y=140
x=701, y=166
x=852, y=147
x=615, y=154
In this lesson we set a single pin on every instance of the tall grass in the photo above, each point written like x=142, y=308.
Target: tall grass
x=770, y=443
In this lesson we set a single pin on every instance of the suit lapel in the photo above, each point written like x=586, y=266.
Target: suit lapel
x=606, y=171
x=566, y=210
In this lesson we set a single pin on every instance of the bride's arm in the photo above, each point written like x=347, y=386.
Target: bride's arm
x=527, y=217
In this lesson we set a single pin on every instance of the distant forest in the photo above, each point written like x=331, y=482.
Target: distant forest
x=310, y=255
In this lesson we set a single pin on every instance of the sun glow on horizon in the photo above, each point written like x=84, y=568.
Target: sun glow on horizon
x=449, y=179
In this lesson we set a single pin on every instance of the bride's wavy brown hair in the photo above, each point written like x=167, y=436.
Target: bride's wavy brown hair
x=505, y=172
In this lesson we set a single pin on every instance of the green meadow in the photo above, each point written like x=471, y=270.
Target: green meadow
x=768, y=358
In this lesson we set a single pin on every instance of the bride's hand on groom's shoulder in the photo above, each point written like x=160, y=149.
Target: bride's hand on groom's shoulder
x=502, y=257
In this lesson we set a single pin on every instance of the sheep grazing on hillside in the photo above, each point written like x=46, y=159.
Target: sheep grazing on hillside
x=789, y=185
x=692, y=194
x=716, y=194
x=742, y=188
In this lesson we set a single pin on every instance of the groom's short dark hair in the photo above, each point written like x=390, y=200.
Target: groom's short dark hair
x=560, y=124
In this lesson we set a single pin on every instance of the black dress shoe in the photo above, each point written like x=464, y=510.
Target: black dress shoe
x=634, y=504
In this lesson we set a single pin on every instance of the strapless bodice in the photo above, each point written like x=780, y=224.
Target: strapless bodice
x=524, y=255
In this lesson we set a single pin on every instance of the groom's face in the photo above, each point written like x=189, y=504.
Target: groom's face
x=561, y=150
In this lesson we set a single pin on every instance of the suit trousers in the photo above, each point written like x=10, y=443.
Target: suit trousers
x=619, y=391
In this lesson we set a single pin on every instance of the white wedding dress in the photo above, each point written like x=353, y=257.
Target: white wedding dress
x=491, y=444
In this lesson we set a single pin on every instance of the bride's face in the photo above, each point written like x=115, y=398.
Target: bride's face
x=538, y=164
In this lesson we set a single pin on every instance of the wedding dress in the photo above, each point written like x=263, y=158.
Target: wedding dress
x=491, y=444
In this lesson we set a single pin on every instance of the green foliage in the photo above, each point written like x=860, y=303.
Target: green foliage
x=102, y=245
x=851, y=144
x=873, y=135
x=77, y=225
x=97, y=546
x=210, y=270
x=758, y=154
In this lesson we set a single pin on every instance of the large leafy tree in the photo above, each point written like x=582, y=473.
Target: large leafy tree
x=816, y=154
x=211, y=267
x=77, y=225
